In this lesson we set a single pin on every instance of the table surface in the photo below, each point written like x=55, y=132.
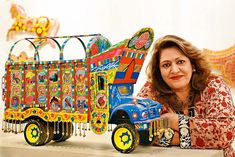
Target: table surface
x=14, y=145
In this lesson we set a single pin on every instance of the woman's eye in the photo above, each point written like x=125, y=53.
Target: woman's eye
x=180, y=62
x=166, y=65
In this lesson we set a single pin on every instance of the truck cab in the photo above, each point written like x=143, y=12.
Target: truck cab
x=130, y=109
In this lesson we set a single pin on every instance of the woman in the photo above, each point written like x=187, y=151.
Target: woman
x=197, y=104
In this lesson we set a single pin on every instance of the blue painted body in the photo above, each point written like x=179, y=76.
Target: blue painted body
x=139, y=110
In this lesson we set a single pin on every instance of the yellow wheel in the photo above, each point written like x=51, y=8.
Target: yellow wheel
x=32, y=133
x=35, y=133
x=125, y=138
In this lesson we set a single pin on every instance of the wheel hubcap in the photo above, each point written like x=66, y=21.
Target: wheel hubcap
x=32, y=133
x=123, y=138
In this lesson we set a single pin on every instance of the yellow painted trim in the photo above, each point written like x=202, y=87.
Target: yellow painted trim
x=47, y=116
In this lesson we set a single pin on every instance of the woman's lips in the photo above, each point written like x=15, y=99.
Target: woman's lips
x=176, y=77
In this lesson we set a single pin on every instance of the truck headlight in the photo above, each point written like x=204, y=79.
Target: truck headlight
x=144, y=114
x=135, y=115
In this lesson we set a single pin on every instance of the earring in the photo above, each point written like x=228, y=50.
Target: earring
x=194, y=70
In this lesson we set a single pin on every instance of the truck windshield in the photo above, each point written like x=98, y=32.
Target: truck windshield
x=123, y=90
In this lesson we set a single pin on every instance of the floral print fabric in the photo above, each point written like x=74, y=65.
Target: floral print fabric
x=213, y=125
x=185, y=140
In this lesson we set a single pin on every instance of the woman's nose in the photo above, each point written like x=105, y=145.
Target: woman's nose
x=174, y=68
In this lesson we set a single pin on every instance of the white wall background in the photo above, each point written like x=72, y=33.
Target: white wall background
x=206, y=23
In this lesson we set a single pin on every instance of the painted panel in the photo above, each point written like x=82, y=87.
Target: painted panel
x=54, y=87
x=16, y=94
x=67, y=87
x=81, y=87
x=30, y=85
x=42, y=88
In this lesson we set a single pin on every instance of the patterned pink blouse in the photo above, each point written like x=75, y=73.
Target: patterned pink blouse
x=213, y=125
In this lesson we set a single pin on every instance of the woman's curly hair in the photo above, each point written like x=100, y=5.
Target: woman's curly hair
x=199, y=77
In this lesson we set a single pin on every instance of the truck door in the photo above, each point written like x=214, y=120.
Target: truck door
x=100, y=112
x=101, y=96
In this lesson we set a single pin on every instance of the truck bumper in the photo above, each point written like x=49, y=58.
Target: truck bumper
x=153, y=125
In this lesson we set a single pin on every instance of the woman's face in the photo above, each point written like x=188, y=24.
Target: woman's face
x=176, y=69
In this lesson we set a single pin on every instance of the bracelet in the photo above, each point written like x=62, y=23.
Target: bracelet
x=184, y=132
x=166, y=138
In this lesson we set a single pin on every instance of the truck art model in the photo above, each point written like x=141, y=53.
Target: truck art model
x=52, y=100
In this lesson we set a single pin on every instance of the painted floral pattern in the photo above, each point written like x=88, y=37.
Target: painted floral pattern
x=213, y=125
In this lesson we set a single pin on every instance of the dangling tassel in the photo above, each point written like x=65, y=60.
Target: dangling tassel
x=75, y=132
x=80, y=129
x=8, y=126
x=150, y=131
x=15, y=127
x=48, y=129
x=84, y=129
x=54, y=128
x=2, y=125
x=12, y=126
x=5, y=126
x=20, y=129
x=110, y=127
x=23, y=126
x=47, y=132
x=67, y=128
x=71, y=129
x=155, y=128
x=162, y=123
x=63, y=132
x=58, y=125
x=89, y=127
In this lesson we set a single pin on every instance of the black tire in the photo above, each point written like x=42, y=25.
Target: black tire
x=69, y=131
x=128, y=133
x=58, y=136
x=35, y=133
x=144, y=138
x=50, y=132
x=61, y=136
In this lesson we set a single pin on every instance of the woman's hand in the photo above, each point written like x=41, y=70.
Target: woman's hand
x=173, y=120
x=176, y=139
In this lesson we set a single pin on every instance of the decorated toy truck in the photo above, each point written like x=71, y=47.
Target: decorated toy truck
x=52, y=100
